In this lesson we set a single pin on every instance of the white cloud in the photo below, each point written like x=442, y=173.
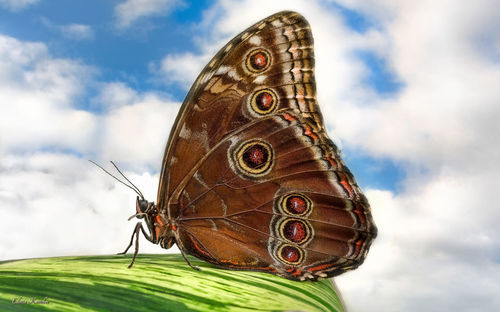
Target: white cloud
x=70, y=31
x=77, y=31
x=126, y=13
x=114, y=95
x=16, y=5
x=136, y=126
x=181, y=68
x=36, y=92
x=449, y=87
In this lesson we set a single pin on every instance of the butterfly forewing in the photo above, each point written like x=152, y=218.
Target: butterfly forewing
x=220, y=101
x=249, y=174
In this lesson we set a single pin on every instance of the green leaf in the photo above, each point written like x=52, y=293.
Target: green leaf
x=156, y=282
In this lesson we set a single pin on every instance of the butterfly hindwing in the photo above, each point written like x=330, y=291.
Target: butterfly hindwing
x=293, y=218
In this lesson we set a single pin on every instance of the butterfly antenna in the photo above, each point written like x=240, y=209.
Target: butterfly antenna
x=130, y=187
x=135, y=187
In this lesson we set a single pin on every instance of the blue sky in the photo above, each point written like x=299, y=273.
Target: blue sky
x=408, y=90
x=119, y=54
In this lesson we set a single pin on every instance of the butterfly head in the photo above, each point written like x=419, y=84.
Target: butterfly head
x=146, y=210
x=144, y=207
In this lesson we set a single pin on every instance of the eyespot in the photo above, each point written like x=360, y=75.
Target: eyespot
x=295, y=230
x=254, y=157
x=258, y=60
x=290, y=254
x=295, y=204
x=264, y=102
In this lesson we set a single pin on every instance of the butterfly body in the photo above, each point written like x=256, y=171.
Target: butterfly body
x=250, y=179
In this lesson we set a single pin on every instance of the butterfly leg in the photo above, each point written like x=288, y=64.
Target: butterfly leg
x=189, y=263
x=181, y=248
x=138, y=228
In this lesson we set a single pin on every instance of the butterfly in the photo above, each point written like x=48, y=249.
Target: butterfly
x=250, y=179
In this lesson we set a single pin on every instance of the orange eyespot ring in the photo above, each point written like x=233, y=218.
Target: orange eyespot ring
x=258, y=60
x=264, y=102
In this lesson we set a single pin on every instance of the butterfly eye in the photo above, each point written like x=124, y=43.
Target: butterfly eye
x=264, y=102
x=254, y=157
x=258, y=60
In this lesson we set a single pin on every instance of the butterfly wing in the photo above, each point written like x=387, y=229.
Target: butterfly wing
x=229, y=91
x=249, y=173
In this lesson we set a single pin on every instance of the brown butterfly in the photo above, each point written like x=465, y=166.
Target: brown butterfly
x=250, y=179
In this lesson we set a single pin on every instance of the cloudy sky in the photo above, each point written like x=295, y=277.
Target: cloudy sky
x=410, y=90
